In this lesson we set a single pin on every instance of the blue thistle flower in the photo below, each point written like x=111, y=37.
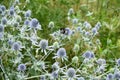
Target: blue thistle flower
x=43, y=44
x=87, y=34
x=109, y=76
x=118, y=62
x=61, y=53
x=79, y=29
x=68, y=31
x=101, y=68
x=55, y=66
x=54, y=74
x=21, y=67
x=4, y=20
x=71, y=73
x=11, y=12
x=35, y=24
x=75, y=21
x=94, y=31
x=117, y=75
x=16, y=46
x=98, y=25
x=101, y=61
x=26, y=22
x=87, y=25
x=10, y=42
x=27, y=13
x=88, y=54
x=3, y=8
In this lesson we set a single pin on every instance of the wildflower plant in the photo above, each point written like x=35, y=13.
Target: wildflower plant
x=70, y=52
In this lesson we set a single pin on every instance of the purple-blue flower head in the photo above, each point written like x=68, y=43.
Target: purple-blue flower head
x=87, y=25
x=61, y=53
x=27, y=13
x=94, y=30
x=78, y=29
x=4, y=20
x=54, y=74
x=87, y=34
x=11, y=12
x=101, y=61
x=10, y=42
x=34, y=23
x=117, y=75
x=26, y=22
x=71, y=73
x=88, y=54
x=109, y=76
x=43, y=44
x=21, y=67
x=16, y=46
x=75, y=21
x=68, y=31
x=3, y=8
x=98, y=25
x=118, y=62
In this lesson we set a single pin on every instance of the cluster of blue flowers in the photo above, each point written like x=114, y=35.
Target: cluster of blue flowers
x=28, y=53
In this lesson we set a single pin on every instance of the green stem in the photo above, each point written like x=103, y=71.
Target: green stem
x=32, y=77
x=3, y=70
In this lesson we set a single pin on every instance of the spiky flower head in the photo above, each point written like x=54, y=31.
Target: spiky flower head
x=71, y=73
x=54, y=74
x=27, y=13
x=71, y=11
x=88, y=54
x=34, y=23
x=43, y=44
x=16, y=46
x=21, y=67
x=101, y=61
x=109, y=76
x=3, y=8
x=4, y=20
x=61, y=53
x=27, y=22
x=118, y=62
